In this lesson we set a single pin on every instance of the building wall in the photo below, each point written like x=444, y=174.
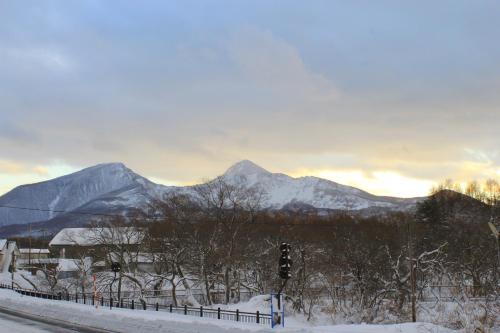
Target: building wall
x=33, y=256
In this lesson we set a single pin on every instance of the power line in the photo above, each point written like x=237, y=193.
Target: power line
x=59, y=211
x=283, y=224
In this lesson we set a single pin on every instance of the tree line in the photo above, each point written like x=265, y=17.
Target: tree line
x=345, y=264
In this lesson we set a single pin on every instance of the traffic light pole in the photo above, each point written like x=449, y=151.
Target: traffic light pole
x=116, y=267
x=111, y=286
x=279, y=293
x=285, y=264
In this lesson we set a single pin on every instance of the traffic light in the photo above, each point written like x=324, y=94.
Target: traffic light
x=285, y=262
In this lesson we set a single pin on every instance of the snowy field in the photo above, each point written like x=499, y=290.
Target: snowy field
x=123, y=320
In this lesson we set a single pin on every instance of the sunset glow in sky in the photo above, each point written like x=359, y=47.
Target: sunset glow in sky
x=388, y=96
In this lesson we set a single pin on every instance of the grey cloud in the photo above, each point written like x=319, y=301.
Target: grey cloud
x=182, y=100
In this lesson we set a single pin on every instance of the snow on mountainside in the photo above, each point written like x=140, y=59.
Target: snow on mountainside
x=113, y=188
x=97, y=188
x=319, y=193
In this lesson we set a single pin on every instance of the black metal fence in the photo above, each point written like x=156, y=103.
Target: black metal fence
x=165, y=297
x=127, y=303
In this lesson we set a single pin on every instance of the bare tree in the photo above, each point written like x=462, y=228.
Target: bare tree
x=168, y=251
x=228, y=208
x=118, y=240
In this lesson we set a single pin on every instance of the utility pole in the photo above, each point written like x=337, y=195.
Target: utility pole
x=412, y=273
x=13, y=267
x=29, y=249
x=116, y=267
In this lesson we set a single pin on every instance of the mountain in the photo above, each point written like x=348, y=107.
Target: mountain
x=103, y=188
x=446, y=205
x=282, y=190
x=113, y=188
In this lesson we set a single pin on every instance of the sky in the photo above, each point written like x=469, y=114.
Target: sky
x=392, y=97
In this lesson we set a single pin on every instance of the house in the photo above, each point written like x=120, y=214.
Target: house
x=78, y=242
x=33, y=260
x=7, y=250
x=3, y=251
x=101, y=246
x=28, y=253
x=72, y=268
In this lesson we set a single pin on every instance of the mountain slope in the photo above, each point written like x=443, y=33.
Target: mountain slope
x=282, y=190
x=114, y=189
x=100, y=187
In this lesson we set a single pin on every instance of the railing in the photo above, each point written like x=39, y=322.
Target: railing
x=126, y=303
x=165, y=297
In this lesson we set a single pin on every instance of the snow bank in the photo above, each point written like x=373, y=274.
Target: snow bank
x=120, y=320
x=124, y=320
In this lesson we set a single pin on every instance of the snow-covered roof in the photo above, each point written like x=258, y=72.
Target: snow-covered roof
x=141, y=257
x=97, y=236
x=35, y=251
x=33, y=261
x=3, y=243
x=68, y=265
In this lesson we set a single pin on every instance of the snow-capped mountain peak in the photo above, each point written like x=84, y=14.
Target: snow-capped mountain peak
x=97, y=188
x=245, y=168
x=281, y=189
x=114, y=188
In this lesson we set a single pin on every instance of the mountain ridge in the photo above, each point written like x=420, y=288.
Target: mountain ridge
x=113, y=187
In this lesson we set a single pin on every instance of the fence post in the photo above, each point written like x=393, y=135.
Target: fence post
x=237, y=315
x=201, y=311
x=257, y=318
x=84, y=299
x=218, y=313
x=102, y=300
x=110, y=302
x=185, y=309
x=170, y=308
x=121, y=303
x=144, y=305
x=76, y=297
x=156, y=306
x=93, y=299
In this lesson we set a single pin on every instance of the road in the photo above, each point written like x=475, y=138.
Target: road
x=11, y=322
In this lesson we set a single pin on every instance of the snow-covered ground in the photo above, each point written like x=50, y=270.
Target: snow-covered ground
x=124, y=320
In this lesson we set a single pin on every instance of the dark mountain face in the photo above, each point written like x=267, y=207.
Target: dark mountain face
x=103, y=187
x=446, y=206
x=114, y=189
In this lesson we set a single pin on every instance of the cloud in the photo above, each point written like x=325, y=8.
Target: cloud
x=10, y=167
x=276, y=67
x=382, y=182
x=179, y=92
x=13, y=174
